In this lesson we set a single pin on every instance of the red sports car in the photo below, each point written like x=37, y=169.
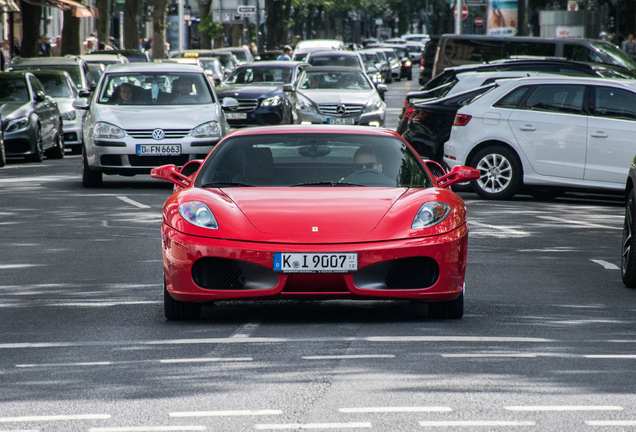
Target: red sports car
x=313, y=212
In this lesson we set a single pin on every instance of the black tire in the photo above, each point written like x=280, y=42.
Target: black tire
x=176, y=310
x=628, y=257
x=76, y=150
x=90, y=179
x=545, y=193
x=501, y=173
x=57, y=152
x=38, y=151
x=453, y=309
x=3, y=154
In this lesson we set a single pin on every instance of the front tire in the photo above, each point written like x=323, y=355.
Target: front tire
x=57, y=152
x=501, y=173
x=90, y=179
x=176, y=310
x=628, y=257
x=453, y=309
x=3, y=154
x=38, y=151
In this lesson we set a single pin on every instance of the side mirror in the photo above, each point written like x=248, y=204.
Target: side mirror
x=172, y=174
x=288, y=88
x=190, y=168
x=436, y=169
x=93, y=86
x=81, y=103
x=40, y=96
x=382, y=88
x=84, y=94
x=229, y=102
x=459, y=174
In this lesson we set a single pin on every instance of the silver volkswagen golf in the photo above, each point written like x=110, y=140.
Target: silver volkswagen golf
x=144, y=115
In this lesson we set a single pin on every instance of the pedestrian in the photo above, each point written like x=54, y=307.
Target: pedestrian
x=148, y=44
x=5, y=58
x=56, y=50
x=16, y=47
x=286, y=55
x=629, y=45
x=44, y=46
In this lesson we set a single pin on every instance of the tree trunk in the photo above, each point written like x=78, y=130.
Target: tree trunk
x=103, y=21
x=131, y=26
x=30, y=20
x=159, y=30
x=204, y=10
x=71, y=34
x=273, y=16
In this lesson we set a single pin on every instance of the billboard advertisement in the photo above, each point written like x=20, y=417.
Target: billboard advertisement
x=502, y=17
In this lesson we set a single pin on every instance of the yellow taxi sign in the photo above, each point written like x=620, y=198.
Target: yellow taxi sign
x=190, y=54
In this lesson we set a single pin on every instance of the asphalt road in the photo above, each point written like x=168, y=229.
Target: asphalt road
x=547, y=343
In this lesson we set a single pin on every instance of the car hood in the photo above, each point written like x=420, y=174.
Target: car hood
x=65, y=104
x=248, y=91
x=11, y=110
x=164, y=117
x=360, y=97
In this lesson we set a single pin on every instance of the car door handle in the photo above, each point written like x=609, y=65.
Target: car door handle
x=599, y=134
x=528, y=127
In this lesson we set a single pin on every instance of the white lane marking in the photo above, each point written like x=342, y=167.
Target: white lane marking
x=453, y=339
x=564, y=408
x=557, y=249
x=18, y=266
x=133, y=202
x=38, y=179
x=63, y=364
x=488, y=355
x=606, y=265
x=610, y=422
x=578, y=224
x=503, y=230
x=345, y=357
x=148, y=429
x=203, y=360
x=55, y=418
x=612, y=356
x=475, y=423
x=394, y=409
x=313, y=426
x=225, y=413
x=245, y=330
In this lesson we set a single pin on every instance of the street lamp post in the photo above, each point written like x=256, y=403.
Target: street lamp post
x=180, y=27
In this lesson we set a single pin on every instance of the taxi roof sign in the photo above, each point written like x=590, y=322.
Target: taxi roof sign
x=190, y=54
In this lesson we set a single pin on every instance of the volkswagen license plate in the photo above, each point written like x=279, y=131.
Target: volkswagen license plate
x=341, y=121
x=159, y=149
x=236, y=116
x=315, y=262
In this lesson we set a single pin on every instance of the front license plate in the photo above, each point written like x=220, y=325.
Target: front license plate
x=159, y=149
x=236, y=116
x=315, y=262
x=341, y=121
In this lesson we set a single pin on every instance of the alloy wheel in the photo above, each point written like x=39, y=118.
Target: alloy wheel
x=496, y=173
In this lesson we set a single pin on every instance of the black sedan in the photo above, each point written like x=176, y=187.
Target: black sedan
x=430, y=125
x=264, y=91
x=31, y=119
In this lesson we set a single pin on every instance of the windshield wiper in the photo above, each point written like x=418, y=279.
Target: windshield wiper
x=327, y=183
x=226, y=183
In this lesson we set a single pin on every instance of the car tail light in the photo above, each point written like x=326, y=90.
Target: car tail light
x=406, y=103
x=461, y=119
x=422, y=64
x=418, y=116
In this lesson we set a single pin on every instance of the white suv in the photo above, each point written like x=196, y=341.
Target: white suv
x=545, y=133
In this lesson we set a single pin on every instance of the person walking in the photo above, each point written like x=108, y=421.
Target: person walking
x=45, y=46
x=629, y=45
x=286, y=55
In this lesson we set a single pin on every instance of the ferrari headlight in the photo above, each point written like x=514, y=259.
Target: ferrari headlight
x=373, y=105
x=107, y=130
x=199, y=214
x=273, y=101
x=430, y=214
x=17, y=124
x=207, y=130
x=69, y=115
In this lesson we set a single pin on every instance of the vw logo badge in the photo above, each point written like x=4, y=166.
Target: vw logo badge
x=158, y=134
x=341, y=109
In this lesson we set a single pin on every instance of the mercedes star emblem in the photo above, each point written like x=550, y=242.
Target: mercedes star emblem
x=341, y=109
x=158, y=134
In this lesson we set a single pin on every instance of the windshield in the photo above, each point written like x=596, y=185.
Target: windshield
x=241, y=55
x=401, y=52
x=261, y=74
x=319, y=159
x=159, y=88
x=441, y=79
x=225, y=59
x=299, y=56
x=335, y=80
x=56, y=86
x=96, y=70
x=13, y=89
x=212, y=65
x=334, y=60
x=616, y=56
x=73, y=70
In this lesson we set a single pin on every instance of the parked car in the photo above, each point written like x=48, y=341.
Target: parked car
x=339, y=95
x=31, y=120
x=59, y=85
x=628, y=257
x=427, y=60
x=264, y=91
x=381, y=63
x=75, y=66
x=274, y=210
x=373, y=66
x=547, y=133
x=182, y=119
x=392, y=57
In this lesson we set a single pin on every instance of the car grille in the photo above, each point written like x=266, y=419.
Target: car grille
x=411, y=273
x=332, y=109
x=245, y=105
x=147, y=133
x=155, y=161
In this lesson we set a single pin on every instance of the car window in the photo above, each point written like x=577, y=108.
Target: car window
x=334, y=60
x=56, y=86
x=261, y=74
x=557, y=98
x=72, y=69
x=302, y=159
x=241, y=55
x=615, y=103
x=211, y=64
x=155, y=88
x=335, y=80
x=96, y=71
x=13, y=89
x=473, y=50
x=521, y=48
x=581, y=53
x=512, y=99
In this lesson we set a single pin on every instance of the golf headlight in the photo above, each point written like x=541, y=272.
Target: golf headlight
x=68, y=115
x=207, y=130
x=107, y=130
x=199, y=214
x=17, y=124
x=273, y=101
x=430, y=214
x=373, y=105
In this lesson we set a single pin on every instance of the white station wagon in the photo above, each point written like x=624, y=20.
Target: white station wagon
x=548, y=134
x=144, y=115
